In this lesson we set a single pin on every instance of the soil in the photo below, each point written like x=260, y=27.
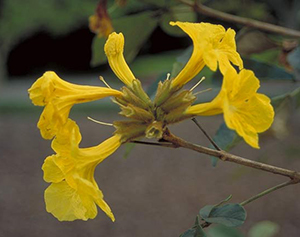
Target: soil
x=156, y=191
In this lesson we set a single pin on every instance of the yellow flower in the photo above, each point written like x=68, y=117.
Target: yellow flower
x=245, y=110
x=114, y=48
x=100, y=22
x=74, y=192
x=58, y=97
x=212, y=46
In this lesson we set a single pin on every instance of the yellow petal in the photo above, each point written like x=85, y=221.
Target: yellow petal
x=113, y=48
x=68, y=138
x=59, y=96
x=52, y=173
x=76, y=166
x=208, y=109
x=212, y=46
x=195, y=63
x=229, y=54
x=245, y=110
x=99, y=153
x=240, y=86
x=88, y=188
x=66, y=204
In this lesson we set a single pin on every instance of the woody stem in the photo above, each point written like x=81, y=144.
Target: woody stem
x=240, y=20
x=225, y=156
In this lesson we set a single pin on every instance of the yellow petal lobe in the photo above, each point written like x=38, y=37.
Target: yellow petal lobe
x=213, y=46
x=245, y=111
x=114, y=48
x=74, y=192
x=58, y=97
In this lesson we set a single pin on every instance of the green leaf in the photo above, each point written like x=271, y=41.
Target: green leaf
x=267, y=71
x=136, y=29
x=254, y=41
x=264, y=229
x=224, y=231
x=226, y=139
x=159, y=3
x=177, y=13
x=160, y=63
x=196, y=231
x=294, y=59
x=181, y=61
x=292, y=98
x=230, y=215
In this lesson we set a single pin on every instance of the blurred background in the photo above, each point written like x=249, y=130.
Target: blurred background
x=153, y=191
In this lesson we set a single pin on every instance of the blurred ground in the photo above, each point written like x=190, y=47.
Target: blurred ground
x=154, y=192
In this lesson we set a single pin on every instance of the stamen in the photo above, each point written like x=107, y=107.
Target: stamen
x=200, y=92
x=99, y=122
x=102, y=79
x=168, y=76
x=197, y=84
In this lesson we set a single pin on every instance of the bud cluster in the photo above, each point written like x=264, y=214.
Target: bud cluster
x=150, y=118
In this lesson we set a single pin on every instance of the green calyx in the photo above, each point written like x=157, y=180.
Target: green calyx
x=150, y=119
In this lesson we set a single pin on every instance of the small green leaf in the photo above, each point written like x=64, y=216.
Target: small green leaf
x=136, y=30
x=181, y=61
x=254, y=41
x=267, y=71
x=224, y=231
x=292, y=97
x=264, y=229
x=188, y=233
x=196, y=231
x=294, y=59
x=177, y=13
x=230, y=215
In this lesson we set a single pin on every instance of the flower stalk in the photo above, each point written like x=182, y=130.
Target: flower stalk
x=225, y=156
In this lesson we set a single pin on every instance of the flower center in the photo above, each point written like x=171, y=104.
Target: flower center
x=146, y=118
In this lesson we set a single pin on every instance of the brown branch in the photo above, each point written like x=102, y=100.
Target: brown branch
x=240, y=20
x=225, y=156
x=163, y=144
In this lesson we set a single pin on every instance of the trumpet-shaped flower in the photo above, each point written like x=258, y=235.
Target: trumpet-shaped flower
x=58, y=97
x=74, y=192
x=100, y=22
x=245, y=110
x=213, y=45
x=114, y=48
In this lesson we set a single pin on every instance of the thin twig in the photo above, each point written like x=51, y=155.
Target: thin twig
x=265, y=192
x=257, y=196
x=206, y=134
x=240, y=20
x=225, y=156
